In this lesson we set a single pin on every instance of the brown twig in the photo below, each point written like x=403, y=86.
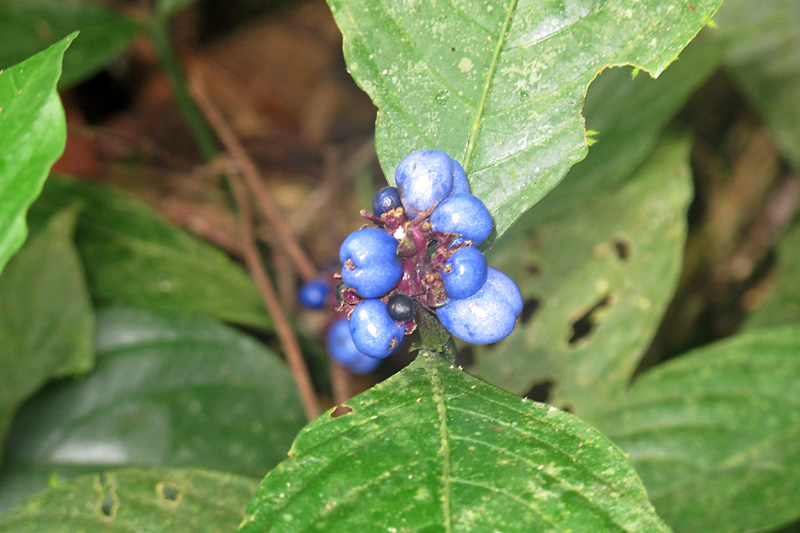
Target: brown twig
x=285, y=333
x=253, y=178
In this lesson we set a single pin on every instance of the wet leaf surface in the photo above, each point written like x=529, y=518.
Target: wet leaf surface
x=434, y=449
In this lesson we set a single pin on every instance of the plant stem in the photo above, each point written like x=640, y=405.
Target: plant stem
x=198, y=127
x=287, y=337
x=252, y=256
x=434, y=337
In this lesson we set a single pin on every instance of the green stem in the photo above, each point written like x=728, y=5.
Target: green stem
x=206, y=142
x=434, y=337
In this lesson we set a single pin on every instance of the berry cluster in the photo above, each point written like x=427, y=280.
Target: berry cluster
x=421, y=252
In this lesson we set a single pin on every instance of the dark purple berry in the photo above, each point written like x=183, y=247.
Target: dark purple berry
x=385, y=200
x=340, y=288
x=401, y=308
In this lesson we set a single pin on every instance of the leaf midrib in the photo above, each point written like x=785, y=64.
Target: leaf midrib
x=441, y=410
x=476, y=123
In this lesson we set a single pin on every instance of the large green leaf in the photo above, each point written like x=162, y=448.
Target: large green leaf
x=763, y=58
x=596, y=281
x=133, y=256
x=32, y=136
x=434, y=449
x=167, y=390
x=714, y=433
x=142, y=500
x=30, y=25
x=499, y=85
x=46, y=317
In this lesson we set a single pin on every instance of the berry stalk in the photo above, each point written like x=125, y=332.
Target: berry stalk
x=435, y=338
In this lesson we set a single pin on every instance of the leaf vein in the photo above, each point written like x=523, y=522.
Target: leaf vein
x=476, y=123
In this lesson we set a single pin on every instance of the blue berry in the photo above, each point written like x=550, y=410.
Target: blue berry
x=425, y=178
x=385, y=200
x=464, y=273
x=312, y=294
x=374, y=332
x=370, y=262
x=464, y=214
x=487, y=316
x=401, y=308
x=460, y=183
x=340, y=346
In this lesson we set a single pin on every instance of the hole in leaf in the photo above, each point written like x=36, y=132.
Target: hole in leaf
x=529, y=309
x=541, y=391
x=341, y=410
x=587, y=322
x=108, y=505
x=169, y=493
x=623, y=249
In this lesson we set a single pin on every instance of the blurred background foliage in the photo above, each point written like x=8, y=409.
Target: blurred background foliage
x=679, y=229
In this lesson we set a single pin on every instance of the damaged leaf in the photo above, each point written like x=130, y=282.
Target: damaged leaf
x=601, y=277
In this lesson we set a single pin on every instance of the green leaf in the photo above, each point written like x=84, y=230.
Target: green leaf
x=29, y=25
x=166, y=390
x=629, y=115
x=499, y=85
x=782, y=303
x=714, y=433
x=595, y=282
x=133, y=256
x=32, y=136
x=762, y=59
x=142, y=500
x=46, y=317
x=434, y=449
